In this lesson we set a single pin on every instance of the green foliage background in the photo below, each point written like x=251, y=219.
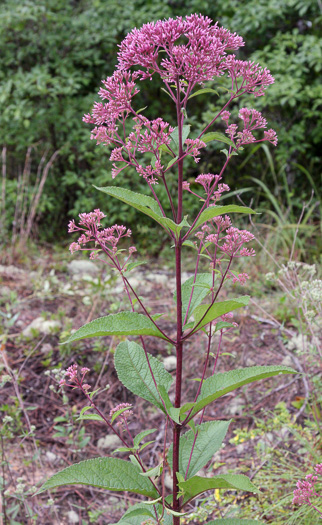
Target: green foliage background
x=56, y=52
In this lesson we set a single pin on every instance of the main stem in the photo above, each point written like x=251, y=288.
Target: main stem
x=179, y=343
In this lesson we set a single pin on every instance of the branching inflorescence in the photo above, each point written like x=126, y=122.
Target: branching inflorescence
x=185, y=53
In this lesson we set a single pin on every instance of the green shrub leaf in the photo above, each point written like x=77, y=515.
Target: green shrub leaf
x=220, y=384
x=197, y=485
x=106, y=473
x=233, y=521
x=143, y=203
x=216, y=310
x=133, y=371
x=216, y=211
x=209, y=439
x=123, y=323
x=202, y=91
x=215, y=135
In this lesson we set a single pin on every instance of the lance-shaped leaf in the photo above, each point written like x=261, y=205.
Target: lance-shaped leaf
x=133, y=371
x=105, y=473
x=202, y=91
x=175, y=136
x=143, y=203
x=123, y=323
x=200, y=290
x=197, y=485
x=208, y=442
x=220, y=384
x=216, y=211
x=233, y=521
x=205, y=313
x=215, y=135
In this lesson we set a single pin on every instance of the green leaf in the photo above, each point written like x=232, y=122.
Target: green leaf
x=143, y=203
x=174, y=227
x=105, y=473
x=197, y=485
x=138, y=438
x=153, y=472
x=133, y=371
x=175, y=135
x=171, y=162
x=215, y=211
x=208, y=442
x=202, y=91
x=216, y=310
x=201, y=289
x=123, y=323
x=136, y=514
x=165, y=149
x=233, y=521
x=90, y=417
x=133, y=265
x=220, y=384
x=215, y=135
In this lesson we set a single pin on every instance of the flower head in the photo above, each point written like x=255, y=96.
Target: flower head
x=195, y=49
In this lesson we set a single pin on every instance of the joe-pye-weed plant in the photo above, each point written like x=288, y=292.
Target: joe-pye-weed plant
x=185, y=53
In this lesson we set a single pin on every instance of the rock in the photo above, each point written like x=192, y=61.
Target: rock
x=168, y=481
x=235, y=406
x=72, y=516
x=5, y=291
x=46, y=348
x=51, y=456
x=41, y=326
x=250, y=362
x=159, y=278
x=77, y=268
x=170, y=363
x=109, y=441
x=288, y=361
x=12, y=272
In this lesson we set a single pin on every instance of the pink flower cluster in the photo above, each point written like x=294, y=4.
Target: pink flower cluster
x=125, y=414
x=248, y=77
x=231, y=243
x=118, y=91
x=198, y=57
x=193, y=148
x=185, y=51
x=75, y=379
x=107, y=239
x=305, y=490
x=252, y=120
x=209, y=182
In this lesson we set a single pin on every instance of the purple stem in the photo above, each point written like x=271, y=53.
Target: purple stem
x=179, y=344
x=193, y=287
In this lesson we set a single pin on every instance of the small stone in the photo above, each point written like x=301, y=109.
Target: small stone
x=51, y=456
x=168, y=481
x=41, y=326
x=82, y=267
x=235, y=406
x=170, y=363
x=288, y=361
x=113, y=500
x=159, y=278
x=46, y=348
x=250, y=362
x=72, y=516
x=109, y=441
